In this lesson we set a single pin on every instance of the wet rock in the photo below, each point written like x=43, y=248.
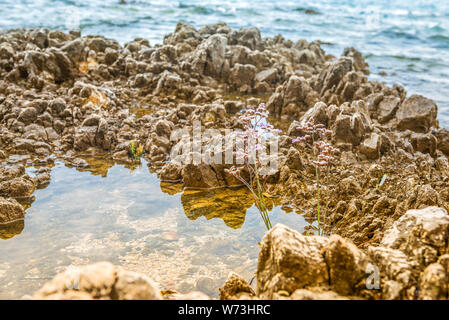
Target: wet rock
x=18, y=187
x=346, y=265
x=289, y=261
x=133, y=286
x=417, y=113
x=102, y=281
x=10, y=210
x=199, y=176
x=234, y=286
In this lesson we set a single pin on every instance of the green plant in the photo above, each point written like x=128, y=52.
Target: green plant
x=136, y=153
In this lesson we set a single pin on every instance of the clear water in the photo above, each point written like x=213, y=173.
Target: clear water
x=409, y=40
x=187, y=241
x=121, y=215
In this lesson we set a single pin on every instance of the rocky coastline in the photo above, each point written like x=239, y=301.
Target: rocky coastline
x=62, y=94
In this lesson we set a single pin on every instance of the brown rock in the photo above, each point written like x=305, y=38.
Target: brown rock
x=10, y=210
x=289, y=261
x=346, y=264
x=234, y=286
x=417, y=113
x=433, y=283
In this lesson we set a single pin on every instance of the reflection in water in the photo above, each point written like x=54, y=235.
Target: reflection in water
x=9, y=230
x=227, y=204
x=132, y=219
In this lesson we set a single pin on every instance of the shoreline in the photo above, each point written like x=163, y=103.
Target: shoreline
x=64, y=94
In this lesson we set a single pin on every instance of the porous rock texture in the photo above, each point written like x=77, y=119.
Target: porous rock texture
x=63, y=95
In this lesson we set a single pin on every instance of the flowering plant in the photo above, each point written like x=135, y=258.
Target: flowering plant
x=253, y=157
x=323, y=151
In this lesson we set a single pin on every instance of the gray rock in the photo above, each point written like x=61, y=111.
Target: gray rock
x=417, y=113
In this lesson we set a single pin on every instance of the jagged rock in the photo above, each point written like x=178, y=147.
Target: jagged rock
x=370, y=147
x=209, y=57
x=357, y=58
x=268, y=75
x=348, y=129
x=234, y=286
x=433, y=283
x=28, y=115
x=395, y=266
x=442, y=136
x=419, y=233
x=417, y=113
x=199, y=176
x=424, y=142
x=10, y=210
x=289, y=261
x=387, y=108
x=248, y=37
x=242, y=75
x=346, y=265
x=18, y=187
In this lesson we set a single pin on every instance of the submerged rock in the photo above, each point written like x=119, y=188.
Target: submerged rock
x=10, y=210
x=99, y=281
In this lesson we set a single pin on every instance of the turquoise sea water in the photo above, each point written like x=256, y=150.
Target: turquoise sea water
x=409, y=40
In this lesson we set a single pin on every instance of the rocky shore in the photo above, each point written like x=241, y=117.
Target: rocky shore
x=62, y=94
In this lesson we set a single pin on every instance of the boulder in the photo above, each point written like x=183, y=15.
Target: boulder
x=346, y=265
x=101, y=280
x=387, y=108
x=417, y=113
x=209, y=57
x=288, y=261
x=433, y=283
x=234, y=286
x=10, y=210
x=370, y=147
x=420, y=233
x=200, y=176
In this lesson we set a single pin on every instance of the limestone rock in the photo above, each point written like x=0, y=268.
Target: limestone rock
x=234, y=286
x=417, y=113
x=370, y=147
x=419, y=233
x=101, y=280
x=289, y=261
x=10, y=210
x=433, y=283
x=346, y=264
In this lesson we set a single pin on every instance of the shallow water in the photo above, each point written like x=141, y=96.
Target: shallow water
x=185, y=241
x=409, y=40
